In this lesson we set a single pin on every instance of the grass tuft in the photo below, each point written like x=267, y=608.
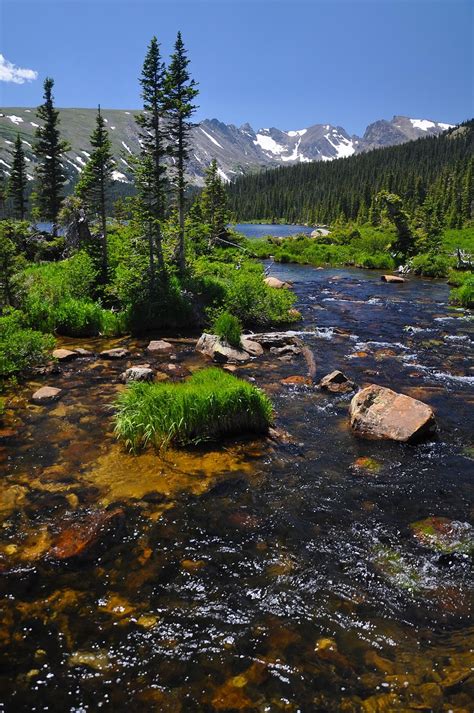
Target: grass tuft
x=228, y=328
x=210, y=404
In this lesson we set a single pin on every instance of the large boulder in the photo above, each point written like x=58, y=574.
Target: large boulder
x=222, y=353
x=278, y=284
x=380, y=413
x=337, y=383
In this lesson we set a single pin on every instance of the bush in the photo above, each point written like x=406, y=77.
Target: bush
x=228, y=328
x=78, y=318
x=431, y=265
x=464, y=295
x=210, y=404
x=20, y=347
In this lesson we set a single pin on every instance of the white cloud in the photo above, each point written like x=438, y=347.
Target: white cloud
x=10, y=73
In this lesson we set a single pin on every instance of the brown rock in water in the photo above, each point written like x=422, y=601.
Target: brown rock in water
x=395, y=279
x=47, y=394
x=276, y=283
x=117, y=353
x=65, y=354
x=337, y=383
x=80, y=537
x=83, y=352
x=159, y=346
x=380, y=413
x=296, y=380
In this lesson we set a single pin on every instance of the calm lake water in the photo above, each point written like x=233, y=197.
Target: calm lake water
x=255, y=230
x=255, y=576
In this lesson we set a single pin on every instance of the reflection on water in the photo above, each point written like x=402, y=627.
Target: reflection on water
x=254, y=576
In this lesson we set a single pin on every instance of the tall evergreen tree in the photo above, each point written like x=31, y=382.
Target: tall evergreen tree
x=214, y=203
x=149, y=168
x=49, y=149
x=180, y=92
x=3, y=193
x=95, y=179
x=18, y=180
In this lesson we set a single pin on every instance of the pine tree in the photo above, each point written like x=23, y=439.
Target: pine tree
x=49, y=149
x=18, y=180
x=149, y=169
x=3, y=193
x=214, y=203
x=180, y=92
x=467, y=195
x=95, y=180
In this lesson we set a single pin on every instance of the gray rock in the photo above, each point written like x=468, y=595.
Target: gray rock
x=137, y=373
x=159, y=346
x=117, y=353
x=47, y=394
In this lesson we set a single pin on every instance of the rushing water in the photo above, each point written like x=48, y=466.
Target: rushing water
x=261, y=230
x=256, y=576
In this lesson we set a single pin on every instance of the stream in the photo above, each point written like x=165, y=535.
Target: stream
x=258, y=575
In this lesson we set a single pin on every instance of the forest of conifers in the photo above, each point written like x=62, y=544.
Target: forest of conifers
x=436, y=169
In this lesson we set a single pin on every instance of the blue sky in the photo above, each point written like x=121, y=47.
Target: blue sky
x=284, y=63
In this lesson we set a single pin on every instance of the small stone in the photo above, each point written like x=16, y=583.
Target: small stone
x=253, y=348
x=395, y=279
x=159, y=347
x=192, y=565
x=47, y=394
x=83, y=352
x=97, y=660
x=369, y=465
x=337, y=383
x=64, y=354
x=117, y=353
x=276, y=283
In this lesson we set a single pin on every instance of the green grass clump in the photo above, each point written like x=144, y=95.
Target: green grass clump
x=464, y=295
x=210, y=404
x=228, y=328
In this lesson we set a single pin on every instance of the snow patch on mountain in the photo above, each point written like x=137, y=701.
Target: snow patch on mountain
x=268, y=144
x=224, y=177
x=118, y=176
x=299, y=132
x=15, y=119
x=211, y=138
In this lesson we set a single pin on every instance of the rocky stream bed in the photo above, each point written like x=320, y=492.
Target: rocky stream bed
x=314, y=571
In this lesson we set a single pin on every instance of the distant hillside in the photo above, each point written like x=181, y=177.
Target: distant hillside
x=438, y=166
x=238, y=150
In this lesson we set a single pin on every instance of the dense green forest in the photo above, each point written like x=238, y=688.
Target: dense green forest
x=436, y=170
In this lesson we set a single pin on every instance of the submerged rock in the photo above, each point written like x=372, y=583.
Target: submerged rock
x=337, y=383
x=116, y=353
x=65, y=354
x=392, y=278
x=79, y=538
x=296, y=380
x=159, y=346
x=137, y=373
x=47, y=394
x=444, y=535
x=380, y=413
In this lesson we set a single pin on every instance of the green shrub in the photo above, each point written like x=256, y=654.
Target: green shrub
x=78, y=318
x=377, y=261
x=464, y=295
x=20, y=347
x=431, y=265
x=228, y=328
x=210, y=404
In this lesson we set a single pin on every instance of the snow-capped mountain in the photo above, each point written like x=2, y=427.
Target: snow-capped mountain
x=238, y=150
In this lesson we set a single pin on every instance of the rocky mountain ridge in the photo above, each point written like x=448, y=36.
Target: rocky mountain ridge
x=238, y=150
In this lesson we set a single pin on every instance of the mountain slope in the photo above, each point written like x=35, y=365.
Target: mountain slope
x=238, y=150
